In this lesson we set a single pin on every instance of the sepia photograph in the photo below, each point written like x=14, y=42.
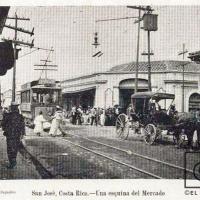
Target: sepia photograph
x=100, y=92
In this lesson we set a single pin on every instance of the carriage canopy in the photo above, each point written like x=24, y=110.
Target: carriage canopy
x=152, y=95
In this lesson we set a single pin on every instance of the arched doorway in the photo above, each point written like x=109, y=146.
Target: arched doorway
x=194, y=102
x=126, y=89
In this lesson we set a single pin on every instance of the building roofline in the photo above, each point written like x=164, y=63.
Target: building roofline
x=125, y=72
x=81, y=77
x=130, y=72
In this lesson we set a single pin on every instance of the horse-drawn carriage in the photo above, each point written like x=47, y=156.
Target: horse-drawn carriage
x=149, y=118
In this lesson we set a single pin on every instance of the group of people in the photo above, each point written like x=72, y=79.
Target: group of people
x=55, y=124
x=94, y=116
x=91, y=116
x=13, y=124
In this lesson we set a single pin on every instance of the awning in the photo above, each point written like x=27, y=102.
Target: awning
x=80, y=90
x=130, y=84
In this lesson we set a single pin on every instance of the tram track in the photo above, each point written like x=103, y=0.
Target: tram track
x=129, y=153
x=79, y=140
x=113, y=159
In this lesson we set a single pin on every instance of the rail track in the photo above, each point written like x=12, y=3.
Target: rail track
x=128, y=154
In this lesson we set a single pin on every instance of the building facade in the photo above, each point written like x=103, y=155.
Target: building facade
x=7, y=98
x=117, y=85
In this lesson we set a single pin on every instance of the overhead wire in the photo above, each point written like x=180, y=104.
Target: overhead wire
x=26, y=54
x=46, y=62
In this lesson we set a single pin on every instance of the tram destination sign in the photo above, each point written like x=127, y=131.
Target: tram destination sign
x=26, y=86
x=47, y=82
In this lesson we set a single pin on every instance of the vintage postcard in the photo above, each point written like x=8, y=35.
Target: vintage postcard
x=99, y=100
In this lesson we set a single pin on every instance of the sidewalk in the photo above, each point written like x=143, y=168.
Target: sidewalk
x=24, y=169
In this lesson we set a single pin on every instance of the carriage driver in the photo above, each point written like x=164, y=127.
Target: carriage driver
x=132, y=115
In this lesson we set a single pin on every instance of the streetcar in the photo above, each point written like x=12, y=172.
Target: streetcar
x=39, y=95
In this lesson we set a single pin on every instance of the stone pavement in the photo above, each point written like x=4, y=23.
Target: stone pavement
x=24, y=169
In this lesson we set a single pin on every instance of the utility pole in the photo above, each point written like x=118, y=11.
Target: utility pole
x=149, y=62
x=14, y=66
x=183, y=52
x=151, y=26
x=0, y=95
x=16, y=43
x=138, y=44
x=137, y=56
x=149, y=10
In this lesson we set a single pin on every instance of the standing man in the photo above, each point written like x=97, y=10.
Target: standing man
x=79, y=115
x=14, y=129
x=56, y=122
x=93, y=116
x=74, y=115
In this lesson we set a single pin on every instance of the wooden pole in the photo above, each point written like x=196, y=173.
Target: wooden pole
x=137, y=57
x=149, y=62
x=14, y=66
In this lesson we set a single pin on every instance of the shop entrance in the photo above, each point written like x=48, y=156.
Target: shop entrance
x=194, y=102
x=83, y=98
x=126, y=89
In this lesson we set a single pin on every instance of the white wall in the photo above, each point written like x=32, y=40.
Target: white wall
x=107, y=93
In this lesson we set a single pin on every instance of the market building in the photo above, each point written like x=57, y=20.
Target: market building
x=117, y=85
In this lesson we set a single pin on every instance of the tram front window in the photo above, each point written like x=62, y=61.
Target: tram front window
x=45, y=98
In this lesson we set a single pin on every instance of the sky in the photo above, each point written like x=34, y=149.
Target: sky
x=70, y=31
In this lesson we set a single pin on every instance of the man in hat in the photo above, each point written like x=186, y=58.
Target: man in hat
x=79, y=115
x=14, y=129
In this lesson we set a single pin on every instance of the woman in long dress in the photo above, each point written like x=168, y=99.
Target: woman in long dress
x=56, y=122
x=38, y=122
x=102, y=117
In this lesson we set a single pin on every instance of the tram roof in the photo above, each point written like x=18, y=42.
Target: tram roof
x=40, y=83
x=45, y=87
x=154, y=95
x=40, y=87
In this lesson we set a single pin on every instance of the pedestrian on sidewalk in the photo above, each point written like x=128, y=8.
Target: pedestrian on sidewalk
x=102, y=117
x=56, y=122
x=38, y=122
x=74, y=115
x=79, y=115
x=14, y=129
x=93, y=116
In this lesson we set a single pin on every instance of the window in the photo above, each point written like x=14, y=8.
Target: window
x=25, y=97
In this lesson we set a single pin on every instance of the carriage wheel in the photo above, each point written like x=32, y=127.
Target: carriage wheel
x=122, y=127
x=150, y=134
